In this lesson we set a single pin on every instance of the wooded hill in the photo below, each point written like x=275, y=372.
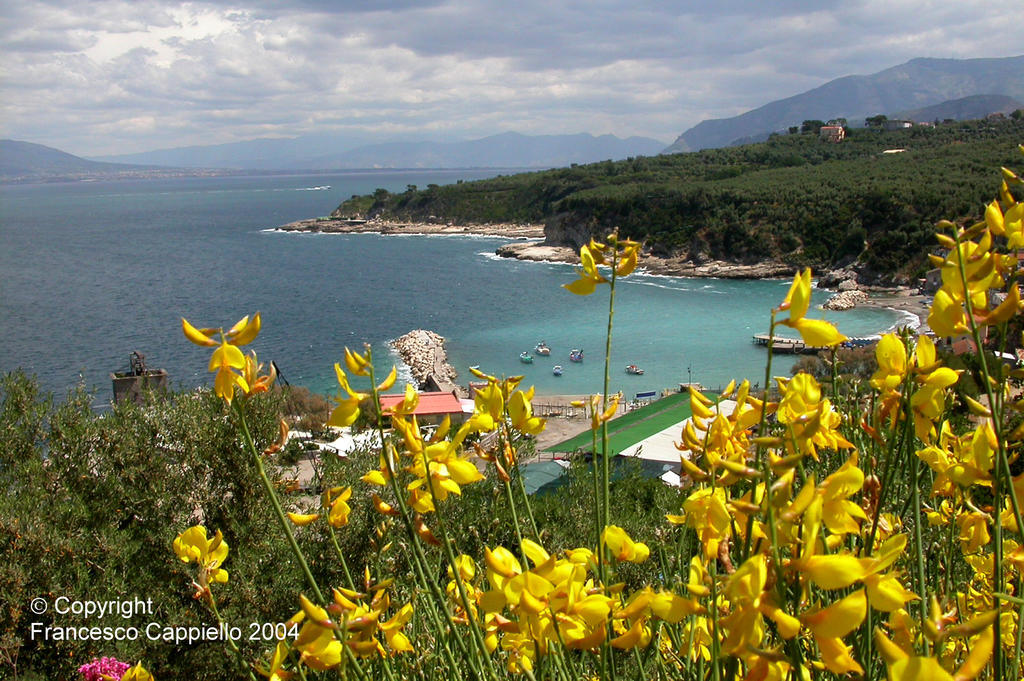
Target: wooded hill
x=795, y=198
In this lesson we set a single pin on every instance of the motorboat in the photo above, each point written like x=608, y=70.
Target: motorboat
x=557, y=370
x=634, y=369
x=525, y=357
x=542, y=349
x=576, y=355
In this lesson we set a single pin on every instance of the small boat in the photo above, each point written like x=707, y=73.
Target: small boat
x=525, y=357
x=542, y=349
x=634, y=369
x=576, y=355
x=557, y=370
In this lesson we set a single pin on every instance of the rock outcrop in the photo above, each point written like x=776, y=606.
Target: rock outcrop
x=677, y=266
x=846, y=300
x=423, y=351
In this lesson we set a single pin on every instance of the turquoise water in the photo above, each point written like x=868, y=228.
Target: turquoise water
x=92, y=271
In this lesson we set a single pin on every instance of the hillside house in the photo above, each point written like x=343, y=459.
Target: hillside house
x=832, y=133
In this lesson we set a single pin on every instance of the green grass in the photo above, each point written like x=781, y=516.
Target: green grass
x=630, y=428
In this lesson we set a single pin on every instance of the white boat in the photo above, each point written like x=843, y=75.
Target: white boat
x=634, y=369
x=542, y=349
x=557, y=370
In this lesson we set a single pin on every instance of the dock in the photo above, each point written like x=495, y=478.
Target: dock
x=785, y=346
x=795, y=346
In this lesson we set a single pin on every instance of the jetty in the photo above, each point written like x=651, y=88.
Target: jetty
x=795, y=346
x=785, y=346
x=423, y=351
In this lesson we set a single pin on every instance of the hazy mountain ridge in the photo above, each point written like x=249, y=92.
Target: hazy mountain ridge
x=18, y=159
x=965, y=108
x=916, y=84
x=505, y=150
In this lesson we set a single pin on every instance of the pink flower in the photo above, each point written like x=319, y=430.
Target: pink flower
x=103, y=668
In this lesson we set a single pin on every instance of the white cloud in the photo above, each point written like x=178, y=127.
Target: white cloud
x=113, y=76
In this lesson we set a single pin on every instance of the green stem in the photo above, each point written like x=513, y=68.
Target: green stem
x=242, y=664
x=282, y=520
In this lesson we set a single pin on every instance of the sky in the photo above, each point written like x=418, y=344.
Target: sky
x=96, y=77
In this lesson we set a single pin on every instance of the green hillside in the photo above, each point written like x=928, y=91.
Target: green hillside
x=794, y=198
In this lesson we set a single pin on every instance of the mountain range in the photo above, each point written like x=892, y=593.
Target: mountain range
x=916, y=84
x=921, y=89
x=506, y=150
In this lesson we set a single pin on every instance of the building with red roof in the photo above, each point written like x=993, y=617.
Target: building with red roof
x=432, y=406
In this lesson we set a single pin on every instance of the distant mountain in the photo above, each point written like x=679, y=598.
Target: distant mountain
x=508, y=150
x=25, y=159
x=916, y=84
x=259, y=154
x=963, y=109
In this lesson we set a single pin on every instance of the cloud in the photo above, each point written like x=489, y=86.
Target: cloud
x=114, y=76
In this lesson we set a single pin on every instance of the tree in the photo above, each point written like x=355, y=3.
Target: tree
x=811, y=125
x=876, y=121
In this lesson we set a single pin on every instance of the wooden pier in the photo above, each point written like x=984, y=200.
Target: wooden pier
x=794, y=346
x=785, y=346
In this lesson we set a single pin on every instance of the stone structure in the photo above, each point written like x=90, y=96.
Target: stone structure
x=846, y=300
x=423, y=351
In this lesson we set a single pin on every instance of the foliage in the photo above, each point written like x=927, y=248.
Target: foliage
x=794, y=198
x=871, y=530
x=93, y=503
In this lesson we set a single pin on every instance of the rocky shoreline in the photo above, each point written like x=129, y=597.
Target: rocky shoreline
x=342, y=225
x=534, y=249
x=674, y=266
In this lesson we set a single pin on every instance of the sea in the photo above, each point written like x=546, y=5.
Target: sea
x=93, y=271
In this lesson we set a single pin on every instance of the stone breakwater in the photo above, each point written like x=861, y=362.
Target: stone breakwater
x=423, y=351
x=846, y=300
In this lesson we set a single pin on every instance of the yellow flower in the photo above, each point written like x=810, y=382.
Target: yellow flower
x=397, y=641
x=815, y=332
x=903, y=667
x=224, y=361
x=812, y=420
x=447, y=471
x=838, y=512
x=336, y=501
x=192, y=546
x=227, y=361
x=347, y=411
x=745, y=590
x=622, y=252
x=302, y=519
x=830, y=624
x=257, y=382
x=891, y=356
x=946, y=316
x=622, y=546
x=706, y=512
x=521, y=412
x=137, y=673
x=589, y=275
x=488, y=407
x=243, y=332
